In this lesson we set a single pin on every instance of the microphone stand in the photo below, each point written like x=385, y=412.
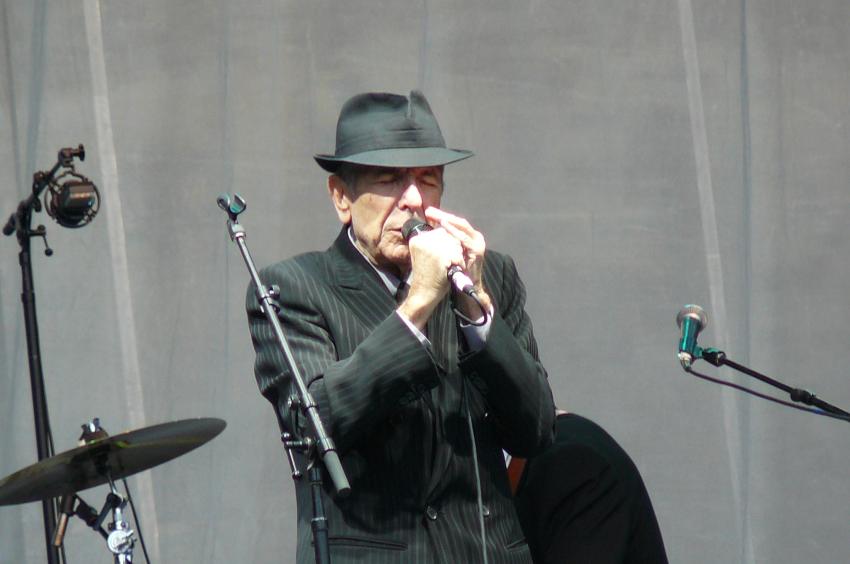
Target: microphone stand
x=20, y=223
x=320, y=445
x=718, y=358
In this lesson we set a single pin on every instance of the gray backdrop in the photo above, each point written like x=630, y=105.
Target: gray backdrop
x=632, y=156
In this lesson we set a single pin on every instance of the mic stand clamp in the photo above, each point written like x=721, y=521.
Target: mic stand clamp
x=120, y=538
x=291, y=444
x=319, y=446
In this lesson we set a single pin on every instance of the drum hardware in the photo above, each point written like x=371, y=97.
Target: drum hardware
x=102, y=459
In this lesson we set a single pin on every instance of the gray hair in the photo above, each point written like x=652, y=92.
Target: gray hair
x=349, y=173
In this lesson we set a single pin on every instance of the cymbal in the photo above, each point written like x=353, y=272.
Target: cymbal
x=117, y=457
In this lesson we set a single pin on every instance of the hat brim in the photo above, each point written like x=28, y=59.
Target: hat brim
x=408, y=157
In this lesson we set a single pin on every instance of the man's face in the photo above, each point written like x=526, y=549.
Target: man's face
x=379, y=204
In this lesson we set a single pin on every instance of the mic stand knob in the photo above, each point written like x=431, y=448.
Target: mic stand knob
x=274, y=294
x=40, y=231
x=290, y=444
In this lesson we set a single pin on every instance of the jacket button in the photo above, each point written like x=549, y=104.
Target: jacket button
x=485, y=511
x=431, y=513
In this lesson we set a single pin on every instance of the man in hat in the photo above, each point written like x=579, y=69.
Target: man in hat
x=420, y=386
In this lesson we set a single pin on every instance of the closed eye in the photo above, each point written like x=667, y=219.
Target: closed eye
x=388, y=178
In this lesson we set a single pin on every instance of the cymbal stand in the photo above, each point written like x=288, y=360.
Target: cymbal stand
x=119, y=539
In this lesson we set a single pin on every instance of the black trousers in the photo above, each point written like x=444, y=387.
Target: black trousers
x=583, y=501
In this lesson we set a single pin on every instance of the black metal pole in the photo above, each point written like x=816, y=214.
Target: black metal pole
x=39, y=398
x=20, y=223
x=322, y=441
x=319, y=523
x=799, y=395
x=320, y=447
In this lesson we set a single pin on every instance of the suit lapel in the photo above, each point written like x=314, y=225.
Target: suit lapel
x=357, y=284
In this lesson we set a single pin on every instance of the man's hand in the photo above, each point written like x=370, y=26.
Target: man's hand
x=473, y=246
x=432, y=253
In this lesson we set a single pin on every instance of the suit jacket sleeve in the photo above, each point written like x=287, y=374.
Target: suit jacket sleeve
x=355, y=391
x=507, y=372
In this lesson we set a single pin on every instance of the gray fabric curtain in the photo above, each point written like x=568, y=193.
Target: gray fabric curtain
x=632, y=156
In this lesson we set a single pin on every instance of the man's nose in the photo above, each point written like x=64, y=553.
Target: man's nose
x=411, y=198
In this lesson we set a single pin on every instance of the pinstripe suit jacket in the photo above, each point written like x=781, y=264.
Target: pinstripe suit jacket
x=397, y=410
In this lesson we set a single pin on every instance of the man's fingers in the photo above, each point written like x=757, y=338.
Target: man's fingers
x=454, y=231
x=458, y=227
x=445, y=218
x=440, y=242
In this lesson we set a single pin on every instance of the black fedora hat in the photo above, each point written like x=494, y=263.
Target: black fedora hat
x=382, y=129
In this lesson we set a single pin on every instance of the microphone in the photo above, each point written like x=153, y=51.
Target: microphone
x=232, y=206
x=74, y=203
x=413, y=227
x=459, y=279
x=691, y=320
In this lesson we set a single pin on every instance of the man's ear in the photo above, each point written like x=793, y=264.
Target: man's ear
x=338, y=192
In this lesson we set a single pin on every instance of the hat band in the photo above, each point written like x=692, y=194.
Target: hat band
x=399, y=139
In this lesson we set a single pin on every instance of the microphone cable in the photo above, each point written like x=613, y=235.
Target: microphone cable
x=411, y=228
x=136, y=519
x=478, y=489
x=470, y=291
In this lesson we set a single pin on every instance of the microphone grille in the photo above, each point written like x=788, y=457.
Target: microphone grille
x=693, y=311
x=412, y=227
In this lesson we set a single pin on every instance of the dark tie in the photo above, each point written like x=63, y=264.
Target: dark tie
x=401, y=292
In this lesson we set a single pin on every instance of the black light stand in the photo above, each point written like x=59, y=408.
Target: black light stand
x=20, y=223
x=320, y=446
